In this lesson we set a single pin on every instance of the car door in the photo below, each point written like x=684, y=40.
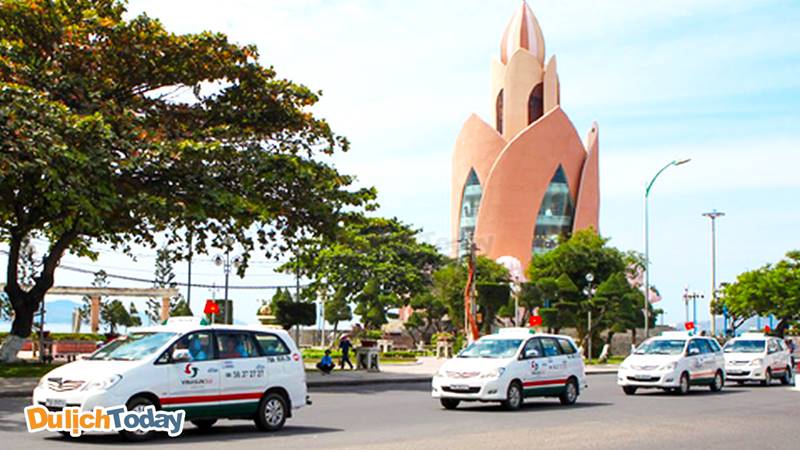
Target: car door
x=277, y=356
x=531, y=367
x=718, y=355
x=694, y=360
x=243, y=372
x=556, y=363
x=194, y=375
x=574, y=363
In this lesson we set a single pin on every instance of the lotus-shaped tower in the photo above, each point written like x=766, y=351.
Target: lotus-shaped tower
x=526, y=179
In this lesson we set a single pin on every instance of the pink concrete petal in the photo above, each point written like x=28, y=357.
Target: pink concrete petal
x=587, y=209
x=516, y=185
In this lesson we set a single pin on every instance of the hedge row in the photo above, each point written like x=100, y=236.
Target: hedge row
x=65, y=337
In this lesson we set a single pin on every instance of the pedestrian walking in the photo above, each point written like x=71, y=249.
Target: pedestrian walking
x=326, y=364
x=345, y=345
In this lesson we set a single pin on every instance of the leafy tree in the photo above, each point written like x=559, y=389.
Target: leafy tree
x=180, y=308
x=373, y=262
x=491, y=297
x=100, y=281
x=165, y=278
x=114, y=315
x=773, y=289
x=560, y=277
x=337, y=310
x=427, y=318
x=450, y=281
x=114, y=130
x=289, y=313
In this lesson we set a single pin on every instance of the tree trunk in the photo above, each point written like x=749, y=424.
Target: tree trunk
x=25, y=307
x=780, y=330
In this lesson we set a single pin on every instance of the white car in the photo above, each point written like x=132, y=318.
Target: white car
x=210, y=372
x=508, y=367
x=756, y=357
x=673, y=361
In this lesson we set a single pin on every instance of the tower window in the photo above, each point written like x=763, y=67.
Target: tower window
x=498, y=111
x=536, y=103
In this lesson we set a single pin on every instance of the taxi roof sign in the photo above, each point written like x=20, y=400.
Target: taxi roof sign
x=185, y=320
x=675, y=334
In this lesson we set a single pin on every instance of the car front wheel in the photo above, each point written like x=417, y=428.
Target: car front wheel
x=629, y=390
x=570, y=394
x=449, y=403
x=271, y=413
x=138, y=404
x=719, y=381
x=513, y=397
x=683, y=385
x=767, y=378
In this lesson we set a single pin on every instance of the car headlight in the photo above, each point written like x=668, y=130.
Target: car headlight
x=102, y=383
x=669, y=366
x=440, y=373
x=624, y=365
x=42, y=382
x=494, y=373
x=757, y=362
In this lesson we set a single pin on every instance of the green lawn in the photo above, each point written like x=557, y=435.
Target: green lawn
x=25, y=370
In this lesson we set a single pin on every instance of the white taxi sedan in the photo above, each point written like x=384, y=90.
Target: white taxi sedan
x=210, y=372
x=674, y=361
x=757, y=357
x=510, y=366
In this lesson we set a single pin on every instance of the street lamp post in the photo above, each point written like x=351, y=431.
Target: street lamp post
x=589, y=291
x=713, y=216
x=647, y=244
x=226, y=262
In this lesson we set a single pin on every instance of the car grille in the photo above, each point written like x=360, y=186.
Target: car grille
x=644, y=367
x=739, y=363
x=463, y=374
x=469, y=390
x=58, y=408
x=645, y=379
x=59, y=385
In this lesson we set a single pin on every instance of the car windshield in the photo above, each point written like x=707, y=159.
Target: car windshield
x=132, y=347
x=491, y=348
x=744, y=347
x=661, y=347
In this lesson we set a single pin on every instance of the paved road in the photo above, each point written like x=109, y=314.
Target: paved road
x=404, y=416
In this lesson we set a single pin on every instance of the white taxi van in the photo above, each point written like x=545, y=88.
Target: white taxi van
x=509, y=366
x=210, y=372
x=757, y=357
x=673, y=361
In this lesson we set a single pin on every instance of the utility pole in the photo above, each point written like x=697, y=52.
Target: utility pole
x=713, y=216
x=589, y=291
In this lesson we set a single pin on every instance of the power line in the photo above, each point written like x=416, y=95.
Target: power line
x=151, y=282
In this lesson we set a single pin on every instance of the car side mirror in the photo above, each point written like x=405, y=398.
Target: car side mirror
x=529, y=354
x=180, y=355
x=694, y=351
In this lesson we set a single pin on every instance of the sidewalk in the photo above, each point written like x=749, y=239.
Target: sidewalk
x=418, y=372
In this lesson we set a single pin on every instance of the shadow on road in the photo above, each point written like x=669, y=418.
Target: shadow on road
x=528, y=406
x=424, y=386
x=692, y=393
x=191, y=435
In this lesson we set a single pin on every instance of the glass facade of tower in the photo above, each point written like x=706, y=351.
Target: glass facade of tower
x=470, y=202
x=555, y=215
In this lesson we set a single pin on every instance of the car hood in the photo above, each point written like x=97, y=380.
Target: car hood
x=650, y=360
x=741, y=356
x=87, y=370
x=474, y=364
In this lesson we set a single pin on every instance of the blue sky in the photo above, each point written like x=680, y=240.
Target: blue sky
x=715, y=81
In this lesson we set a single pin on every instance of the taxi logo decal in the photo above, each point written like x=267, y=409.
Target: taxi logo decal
x=190, y=370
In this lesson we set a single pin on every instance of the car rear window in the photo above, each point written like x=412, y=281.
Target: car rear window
x=550, y=347
x=271, y=345
x=566, y=346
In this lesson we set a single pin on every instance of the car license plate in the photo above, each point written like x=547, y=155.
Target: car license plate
x=55, y=402
x=642, y=376
x=459, y=387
